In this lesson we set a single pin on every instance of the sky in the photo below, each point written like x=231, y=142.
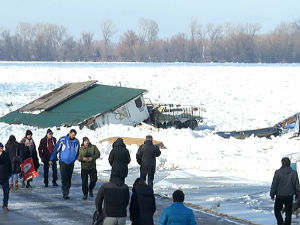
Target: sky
x=172, y=16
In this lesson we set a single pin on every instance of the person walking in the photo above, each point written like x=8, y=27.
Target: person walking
x=146, y=158
x=142, y=204
x=5, y=173
x=45, y=148
x=284, y=186
x=67, y=147
x=28, y=150
x=88, y=154
x=177, y=213
x=13, y=150
x=119, y=158
x=115, y=195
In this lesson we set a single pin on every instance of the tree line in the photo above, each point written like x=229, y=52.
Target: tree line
x=204, y=43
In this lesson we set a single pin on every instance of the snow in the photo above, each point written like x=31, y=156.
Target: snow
x=234, y=96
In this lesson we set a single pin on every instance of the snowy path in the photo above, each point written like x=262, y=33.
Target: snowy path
x=41, y=205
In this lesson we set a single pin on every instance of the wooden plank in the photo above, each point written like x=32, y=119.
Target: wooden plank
x=132, y=141
x=57, y=96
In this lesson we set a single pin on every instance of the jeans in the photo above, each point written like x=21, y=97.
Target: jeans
x=5, y=188
x=13, y=178
x=93, y=180
x=46, y=172
x=66, y=171
x=150, y=180
x=114, y=221
x=279, y=202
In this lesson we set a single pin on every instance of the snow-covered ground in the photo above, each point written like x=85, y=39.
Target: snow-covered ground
x=234, y=96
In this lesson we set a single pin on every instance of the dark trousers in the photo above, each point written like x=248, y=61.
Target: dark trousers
x=150, y=180
x=5, y=188
x=46, y=172
x=85, y=177
x=279, y=202
x=66, y=171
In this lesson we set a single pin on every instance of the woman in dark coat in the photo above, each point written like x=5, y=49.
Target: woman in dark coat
x=119, y=158
x=142, y=204
x=28, y=149
x=13, y=150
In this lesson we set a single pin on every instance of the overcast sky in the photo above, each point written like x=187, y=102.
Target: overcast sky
x=172, y=16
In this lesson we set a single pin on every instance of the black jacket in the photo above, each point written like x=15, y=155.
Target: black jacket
x=13, y=150
x=285, y=182
x=119, y=158
x=146, y=157
x=27, y=152
x=142, y=205
x=115, y=195
x=5, y=166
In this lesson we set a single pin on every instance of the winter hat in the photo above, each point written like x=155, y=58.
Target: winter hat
x=28, y=132
x=1, y=145
x=49, y=131
x=85, y=139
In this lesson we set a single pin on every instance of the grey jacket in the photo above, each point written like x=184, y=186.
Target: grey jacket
x=285, y=182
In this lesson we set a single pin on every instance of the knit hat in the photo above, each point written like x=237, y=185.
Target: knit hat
x=28, y=132
x=85, y=139
x=49, y=131
x=1, y=145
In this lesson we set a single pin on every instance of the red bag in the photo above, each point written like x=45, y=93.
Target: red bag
x=28, y=170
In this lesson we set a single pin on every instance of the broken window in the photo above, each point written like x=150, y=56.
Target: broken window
x=138, y=103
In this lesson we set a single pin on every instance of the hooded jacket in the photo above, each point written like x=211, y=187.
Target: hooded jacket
x=142, y=205
x=115, y=195
x=119, y=158
x=67, y=149
x=285, y=182
x=13, y=150
x=89, y=151
x=146, y=157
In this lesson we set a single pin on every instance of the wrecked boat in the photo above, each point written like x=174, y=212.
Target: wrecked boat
x=291, y=123
x=171, y=115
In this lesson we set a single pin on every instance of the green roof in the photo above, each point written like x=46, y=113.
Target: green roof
x=94, y=101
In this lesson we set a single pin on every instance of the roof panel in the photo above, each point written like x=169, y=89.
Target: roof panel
x=57, y=96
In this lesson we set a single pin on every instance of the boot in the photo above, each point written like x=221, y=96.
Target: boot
x=16, y=185
x=28, y=185
x=11, y=187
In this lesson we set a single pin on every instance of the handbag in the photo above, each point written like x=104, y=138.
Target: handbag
x=97, y=218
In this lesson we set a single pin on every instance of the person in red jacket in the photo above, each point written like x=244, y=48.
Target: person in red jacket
x=46, y=147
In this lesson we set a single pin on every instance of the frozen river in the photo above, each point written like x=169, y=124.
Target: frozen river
x=235, y=174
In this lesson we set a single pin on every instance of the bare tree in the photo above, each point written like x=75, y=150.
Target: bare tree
x=107, y=30
x=148, y=30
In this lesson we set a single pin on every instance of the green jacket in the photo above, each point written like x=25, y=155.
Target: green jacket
x=90, y=151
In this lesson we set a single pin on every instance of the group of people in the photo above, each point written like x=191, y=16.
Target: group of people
x=113, y=197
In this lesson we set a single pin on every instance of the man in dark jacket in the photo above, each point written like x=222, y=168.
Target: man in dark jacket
x=88, y=154
x=146, y=157
x=46, y=147
x=119, y=158
x=115, y=195
x=284, y=186
x=142, y=204
x=5, y=174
